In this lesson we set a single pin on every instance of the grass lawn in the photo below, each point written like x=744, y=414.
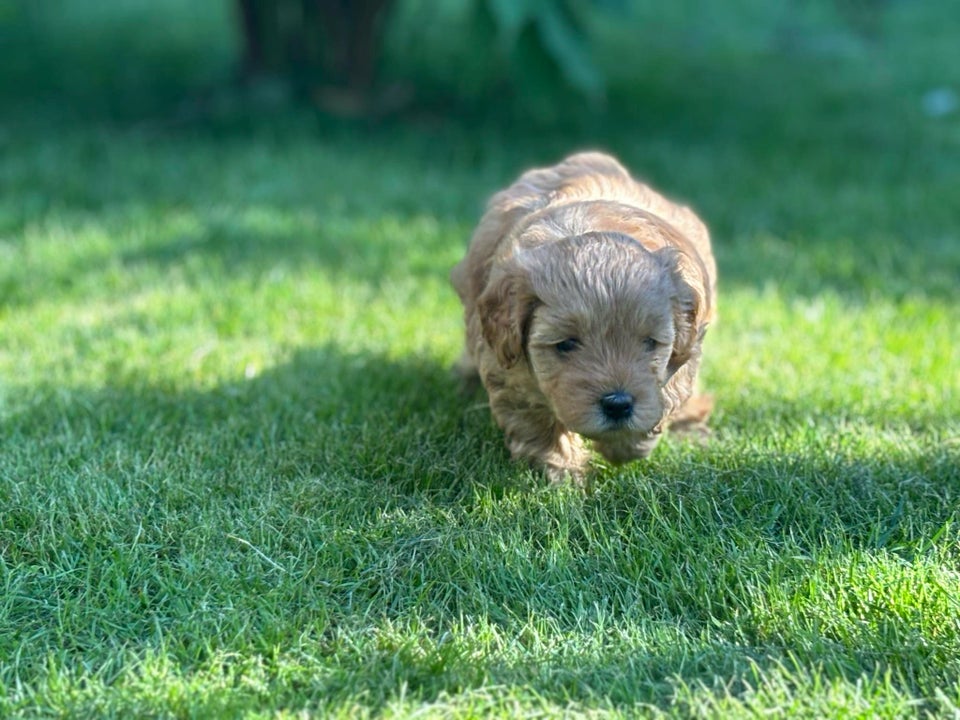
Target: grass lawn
x=236, y=478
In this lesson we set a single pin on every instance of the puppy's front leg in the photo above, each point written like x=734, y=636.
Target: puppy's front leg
x=627, y=449
x=567, y=460
x=533, y=434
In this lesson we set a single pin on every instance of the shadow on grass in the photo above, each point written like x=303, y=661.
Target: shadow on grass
x=859, y=268
x=364, y=216
x=685, y=678
x=255, y=242
x=323, y=413
x=370, y=496
x=247, y=246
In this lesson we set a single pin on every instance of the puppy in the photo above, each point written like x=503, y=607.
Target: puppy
x=586, y=297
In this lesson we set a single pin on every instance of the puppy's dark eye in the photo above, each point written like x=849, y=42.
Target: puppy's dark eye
x=650, y=344
x=567, y=346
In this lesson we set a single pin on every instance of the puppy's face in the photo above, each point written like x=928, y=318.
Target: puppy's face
x=603, y=323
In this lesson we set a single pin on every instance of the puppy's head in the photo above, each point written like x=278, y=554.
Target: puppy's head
x=601, y=322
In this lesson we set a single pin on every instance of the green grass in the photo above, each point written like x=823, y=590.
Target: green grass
x=236, y=478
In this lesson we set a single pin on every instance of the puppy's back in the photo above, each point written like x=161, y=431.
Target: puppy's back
x=595, y=176
x=581, y=178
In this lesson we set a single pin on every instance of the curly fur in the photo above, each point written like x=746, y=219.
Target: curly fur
x=581, y=283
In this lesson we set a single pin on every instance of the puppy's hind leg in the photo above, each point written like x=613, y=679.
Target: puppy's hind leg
x=691, y=419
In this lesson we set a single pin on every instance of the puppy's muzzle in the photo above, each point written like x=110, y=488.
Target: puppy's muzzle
x=617, y=407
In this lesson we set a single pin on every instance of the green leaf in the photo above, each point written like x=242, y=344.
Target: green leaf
x=564, y=38
x=510, y=16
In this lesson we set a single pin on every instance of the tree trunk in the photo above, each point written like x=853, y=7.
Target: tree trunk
x=335, y=43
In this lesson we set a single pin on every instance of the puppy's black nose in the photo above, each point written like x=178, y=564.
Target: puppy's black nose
x=617, y=406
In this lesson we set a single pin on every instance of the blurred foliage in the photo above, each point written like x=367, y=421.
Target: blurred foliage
x=331, y=50
x=327, y=49
x=545, y=40
x=120, y=58
x=543, y=59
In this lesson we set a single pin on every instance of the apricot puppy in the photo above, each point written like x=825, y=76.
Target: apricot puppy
x=586, y=297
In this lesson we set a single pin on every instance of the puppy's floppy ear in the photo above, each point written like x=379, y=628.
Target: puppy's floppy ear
x=689, y=306
x=505, y=308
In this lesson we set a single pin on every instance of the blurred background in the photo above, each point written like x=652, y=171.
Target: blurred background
x=553, y=61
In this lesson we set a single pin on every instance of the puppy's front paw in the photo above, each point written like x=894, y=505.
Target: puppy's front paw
x=564, y=459
x=627, y=449
x=566, y=475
